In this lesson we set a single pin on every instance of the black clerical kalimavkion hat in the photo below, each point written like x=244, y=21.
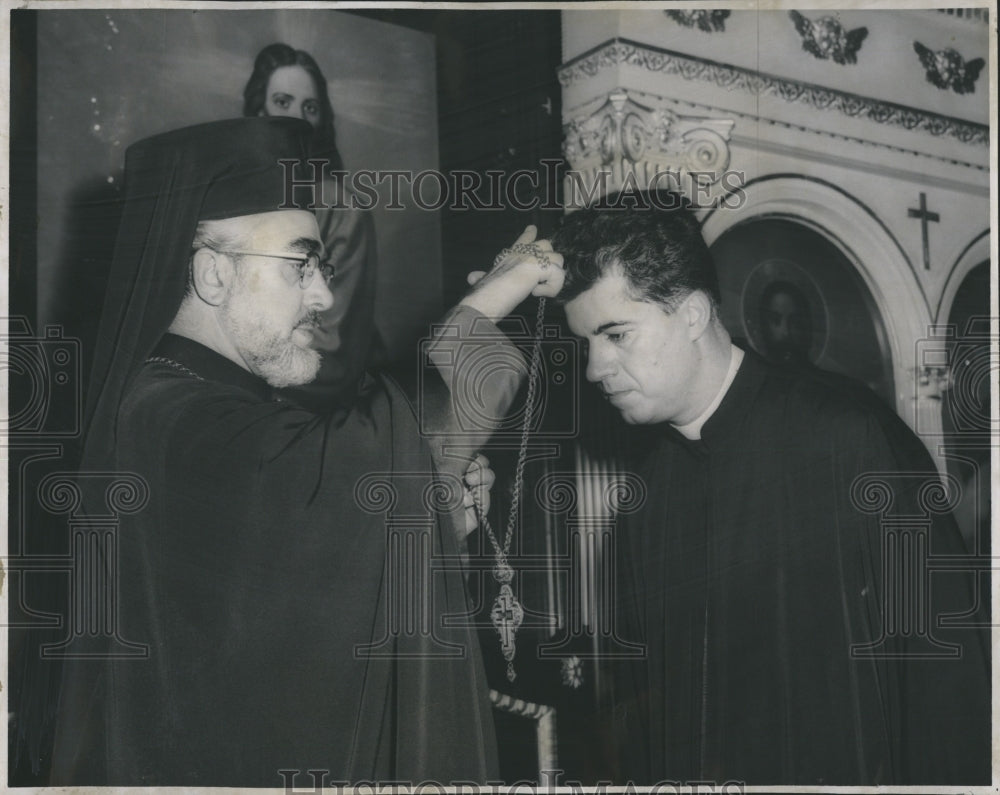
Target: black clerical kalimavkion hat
x=173, y=180
x=225, y=169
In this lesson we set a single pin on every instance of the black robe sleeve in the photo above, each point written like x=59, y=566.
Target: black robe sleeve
x=297, y=582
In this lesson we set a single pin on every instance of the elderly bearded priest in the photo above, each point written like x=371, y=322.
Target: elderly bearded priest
x=760, y=591
x=256, y=576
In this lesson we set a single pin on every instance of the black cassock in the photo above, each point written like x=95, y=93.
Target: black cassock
x=293, y=573
x=751, y=573
x=281, y=577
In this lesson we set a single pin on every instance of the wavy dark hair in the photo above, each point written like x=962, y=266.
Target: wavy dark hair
x=273, y=57
x=655, y=240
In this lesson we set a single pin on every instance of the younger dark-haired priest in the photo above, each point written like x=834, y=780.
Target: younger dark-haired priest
x=777, y=576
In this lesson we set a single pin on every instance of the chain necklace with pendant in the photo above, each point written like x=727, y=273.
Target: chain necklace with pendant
x=507, y=613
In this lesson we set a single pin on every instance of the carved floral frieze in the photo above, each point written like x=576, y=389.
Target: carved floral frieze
x=622, y=52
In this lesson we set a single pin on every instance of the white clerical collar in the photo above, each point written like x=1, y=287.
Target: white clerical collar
x=693, y=429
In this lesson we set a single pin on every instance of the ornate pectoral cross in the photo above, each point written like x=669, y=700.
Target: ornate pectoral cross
x=925, y=216
x=507, y=615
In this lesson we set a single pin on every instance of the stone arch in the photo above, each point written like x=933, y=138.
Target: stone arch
x=976, y=252
x=868, y=245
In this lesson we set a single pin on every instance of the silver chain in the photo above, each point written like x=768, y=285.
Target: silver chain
x=529, y=410
x=522, y=453
x=502, y=571
x=175, y=365
x=533, y=249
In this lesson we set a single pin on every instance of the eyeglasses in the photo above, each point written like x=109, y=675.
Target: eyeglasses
x=307, y=264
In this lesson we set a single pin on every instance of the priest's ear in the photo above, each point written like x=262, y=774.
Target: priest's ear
x=211, y=275
x=698, y=311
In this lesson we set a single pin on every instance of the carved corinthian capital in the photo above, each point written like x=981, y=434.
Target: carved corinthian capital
x=623, y=137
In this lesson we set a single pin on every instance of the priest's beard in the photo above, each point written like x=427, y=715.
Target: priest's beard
x=264, y=345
